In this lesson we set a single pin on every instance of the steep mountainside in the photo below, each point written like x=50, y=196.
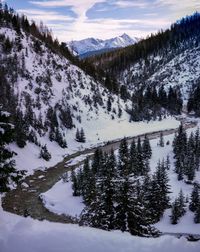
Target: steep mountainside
x=48, y=96
x=93, y=46
x=170, y=58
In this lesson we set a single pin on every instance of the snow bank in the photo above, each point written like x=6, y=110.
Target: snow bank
x=18, y=234
x=59, y=200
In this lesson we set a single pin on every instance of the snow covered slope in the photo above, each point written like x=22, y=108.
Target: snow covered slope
x=168, y=58
x=92, y=45
x=28, y=235
x=182, y=70
x=53, y=98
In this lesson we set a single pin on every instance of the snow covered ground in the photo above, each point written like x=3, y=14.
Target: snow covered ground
x=59, y=198
x=19, y=234
x=97, y=132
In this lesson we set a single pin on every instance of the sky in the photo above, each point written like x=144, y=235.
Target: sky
x=79, y=19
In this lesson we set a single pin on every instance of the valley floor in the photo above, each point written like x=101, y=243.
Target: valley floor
x=20, y=234
x=97, y=133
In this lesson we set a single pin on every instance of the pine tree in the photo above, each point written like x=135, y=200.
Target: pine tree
x=97, y=161
x=74, y=184
x=197, y=149
x=8, y=173
x=197, y=213
x=189, y=170
x=167, y=163
x=175, y=215
x=100, y=211
x=44, y=153
x=133, y=159
x=82, y=136
x=158, y=192
x=21, y=129
x=124, y=205
x=59, y=139
x=161, y=140
x=123, y=159
x=146, y=148
x=109, y=104
x=89, y=183
x=195, y=198
x=181, y=202
x=140, y=159
x=77, y=135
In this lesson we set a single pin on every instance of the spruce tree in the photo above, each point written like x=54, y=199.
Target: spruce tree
x=146, y=148
x=195, y=198
x=140, y=158
x=97, y=161
x=100, y=210
x=77, y=135
x=74, y=184
x=181, y=202
x=89, y=183
x=175, y=215
x=167, y=163
x=44, y=153
x=189, y=170
x=8, y=173
x=134, y=159
x=158, y=192
x=161, y=140
x=197, y=213
x=82, y=136
x=123, y=159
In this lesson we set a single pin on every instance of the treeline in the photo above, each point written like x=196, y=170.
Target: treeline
x=152, y=104
x=187, y=154
x=120, y=193
x=182, y=34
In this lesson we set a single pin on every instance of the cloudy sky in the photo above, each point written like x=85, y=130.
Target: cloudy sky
x=78, y=19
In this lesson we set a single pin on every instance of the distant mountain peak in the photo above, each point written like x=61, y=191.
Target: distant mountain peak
x=87, y=45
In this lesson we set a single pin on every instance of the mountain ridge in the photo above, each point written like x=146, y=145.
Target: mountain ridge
x=80, y=47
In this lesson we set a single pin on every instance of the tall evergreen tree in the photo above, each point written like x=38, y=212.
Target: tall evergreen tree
x=161, y=140
x=140, y=158
x=146, y=148
x=134, y=159
x=8, y=173
x=195, y=198
x=123, y=159
x=197, y=213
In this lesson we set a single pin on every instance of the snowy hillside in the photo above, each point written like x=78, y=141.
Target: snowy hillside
x=52, y=96
x=168, y=58
x=91, y=45
x=182, y=70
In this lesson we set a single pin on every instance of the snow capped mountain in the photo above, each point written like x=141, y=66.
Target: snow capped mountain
x=91, y=45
